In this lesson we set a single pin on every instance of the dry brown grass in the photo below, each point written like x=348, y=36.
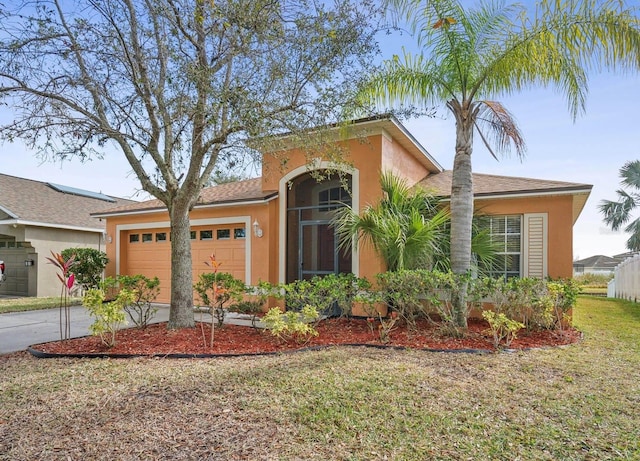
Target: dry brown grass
x=578, y=402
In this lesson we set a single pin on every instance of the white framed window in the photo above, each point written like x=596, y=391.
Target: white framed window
x=506, y=233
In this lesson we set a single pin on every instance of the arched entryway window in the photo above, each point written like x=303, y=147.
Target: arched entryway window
x=312, y=247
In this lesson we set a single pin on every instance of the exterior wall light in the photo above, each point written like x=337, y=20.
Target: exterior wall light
x=29, y=262
x=257, y=231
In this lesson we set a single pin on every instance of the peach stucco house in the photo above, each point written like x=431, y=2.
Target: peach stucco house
x=276, y=228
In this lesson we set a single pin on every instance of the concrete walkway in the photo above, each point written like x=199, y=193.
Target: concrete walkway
x=18, y=330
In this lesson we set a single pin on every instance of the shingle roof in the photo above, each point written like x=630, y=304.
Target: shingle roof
x=35, y=202
x=487, y=184
x=598, y=261
x=240, y=191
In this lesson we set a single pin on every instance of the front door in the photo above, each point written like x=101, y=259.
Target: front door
x=318, y=254
x=312, y=247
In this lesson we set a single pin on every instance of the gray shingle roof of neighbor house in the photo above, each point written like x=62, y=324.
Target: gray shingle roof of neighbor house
x=249, y=190
x=36, y=203
x=598, y=261
x=602, y=261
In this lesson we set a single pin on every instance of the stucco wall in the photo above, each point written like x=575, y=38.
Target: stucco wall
x=44, y=240
x=559, y=210
x=369, y=157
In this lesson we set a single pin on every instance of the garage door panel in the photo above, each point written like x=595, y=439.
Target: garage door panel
x=153, y=259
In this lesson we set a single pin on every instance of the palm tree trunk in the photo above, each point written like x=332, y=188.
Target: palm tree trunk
x=461, y=208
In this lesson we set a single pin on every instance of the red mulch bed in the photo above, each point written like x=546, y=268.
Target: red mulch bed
x=233, y=339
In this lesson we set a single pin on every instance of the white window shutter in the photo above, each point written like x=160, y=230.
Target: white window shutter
x=535, y=245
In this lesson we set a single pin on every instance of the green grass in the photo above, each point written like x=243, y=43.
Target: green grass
x=579, y=402
x=32, y=304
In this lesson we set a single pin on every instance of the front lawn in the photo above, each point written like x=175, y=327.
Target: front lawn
x=577, y=402
x=33, y=304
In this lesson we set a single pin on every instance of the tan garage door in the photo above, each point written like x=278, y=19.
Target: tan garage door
x=148, y=252
x=17, y=275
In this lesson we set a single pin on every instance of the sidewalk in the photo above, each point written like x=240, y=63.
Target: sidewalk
x=18, y=330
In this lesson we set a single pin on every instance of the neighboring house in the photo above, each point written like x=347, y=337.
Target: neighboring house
x=37, y=218
x=599, y=264
x=276, y=228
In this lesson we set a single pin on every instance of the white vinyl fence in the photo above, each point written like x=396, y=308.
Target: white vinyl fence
x=626, y=280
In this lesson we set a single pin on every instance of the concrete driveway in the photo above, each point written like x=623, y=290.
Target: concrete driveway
x=18, y=330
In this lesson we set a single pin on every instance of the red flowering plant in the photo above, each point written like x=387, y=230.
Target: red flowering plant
x=216, y=289
x=67, y=279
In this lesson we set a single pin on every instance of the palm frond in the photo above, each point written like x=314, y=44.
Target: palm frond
x=633, y=242
x=501, y=127
x=616, y=214
x=630, y=174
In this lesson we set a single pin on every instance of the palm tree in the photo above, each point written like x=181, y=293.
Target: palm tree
x=472, y=56
x=406, y=228
x=616, y=214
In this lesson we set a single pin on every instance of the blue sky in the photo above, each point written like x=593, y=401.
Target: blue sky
x=590, y=151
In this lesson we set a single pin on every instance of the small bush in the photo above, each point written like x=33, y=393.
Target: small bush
x=502, y=328
x=524, y=299
x=146, y=291
x=292, y=325
x=88, y=266
x=252, y=308
x=327, y=294
x=216, y=290
x=109, y=317
x=564, y=295
x=538, y=304
x=419, y=293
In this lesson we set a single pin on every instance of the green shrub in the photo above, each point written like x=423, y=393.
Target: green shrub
x=326, y=293
x=252, y=308
x=146, y=291
x=109, y=317
x=406, y=293
x=419, y=293
x=216, y=290
x=538, y=304
x=292, y=325
x=502, y=328
x=564, y=295
x=88, y=266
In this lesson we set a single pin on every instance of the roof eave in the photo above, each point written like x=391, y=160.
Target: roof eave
x=226, y=203
x=527, y=193
x=23, y=222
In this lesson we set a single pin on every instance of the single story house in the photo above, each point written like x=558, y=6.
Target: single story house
x=37, y=218
x=276, y=227
x=599, y=264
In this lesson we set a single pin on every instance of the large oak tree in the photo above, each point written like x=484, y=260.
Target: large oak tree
x=177, y=86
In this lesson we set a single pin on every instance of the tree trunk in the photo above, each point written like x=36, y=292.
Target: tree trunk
x=461, y=211
x=181, y=311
